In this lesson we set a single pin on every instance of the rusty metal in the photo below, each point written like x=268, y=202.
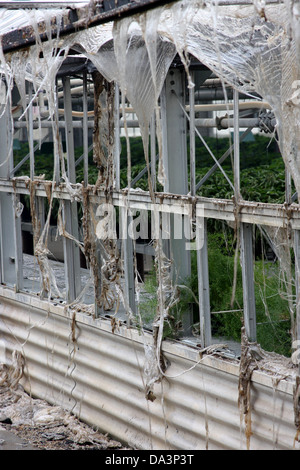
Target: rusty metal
x=76, y=19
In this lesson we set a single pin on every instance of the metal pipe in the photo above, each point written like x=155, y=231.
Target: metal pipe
x=229, y=106
x=192, y=139
x=117, y=147
x=217, y=94
x=48, y=124
x=220, y=123
x=30, y=131
x=218, y=106
x=153, y=151
x=85, y=131
x=225, y=123
x=236, y=144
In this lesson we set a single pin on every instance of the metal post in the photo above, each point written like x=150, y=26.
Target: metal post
x=174, y=134
x=153, y=152
x=70, y=213
x=55, y=125
x=85, y=131
x=246, y=241
x=236, y=144
x=117, y=138
x=192, y=139
x=248, y=280
x=296, y=333
x=297, y=282
x=30, y=131
x=127, y=244
x=288, y=187
x=203, y=282
x=10, y=225
x=18, y=245
x=39, y=201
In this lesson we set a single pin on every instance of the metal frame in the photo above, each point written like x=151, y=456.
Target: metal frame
x=175, y=121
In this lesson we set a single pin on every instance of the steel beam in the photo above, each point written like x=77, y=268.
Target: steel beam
x=85, y=131
x=10, y=226
x=246, y=234
x=273, y=215
x=174, y=135
x=70, y=212
x=236, y=145
x=203, y=282
x=76, y=19
x=297, y=282
x=246, y=243
x=30, y=130
x=153, y=154
x=117, y=146
x=129, y=265
x=192, y=139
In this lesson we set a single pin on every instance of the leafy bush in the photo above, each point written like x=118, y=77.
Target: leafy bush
x=272, y=310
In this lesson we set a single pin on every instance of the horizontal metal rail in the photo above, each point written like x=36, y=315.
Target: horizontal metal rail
x=275, y=215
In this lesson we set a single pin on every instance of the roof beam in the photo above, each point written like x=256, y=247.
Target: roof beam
x=76, y=19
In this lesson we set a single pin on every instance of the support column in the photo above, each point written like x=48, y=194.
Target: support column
x=85, y=131
x=128, y=256
x=203, y=282
x=153, y=151
x=199, y=77
x=192, y=140
x=297, y=282
x=248, y=280
x=174, y=142
x=246, y=237
x=70, y=212
x=10, y=228
x=39, y=201
x=117, y=150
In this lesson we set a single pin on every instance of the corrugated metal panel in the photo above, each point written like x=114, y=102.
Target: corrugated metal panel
x=100, y=377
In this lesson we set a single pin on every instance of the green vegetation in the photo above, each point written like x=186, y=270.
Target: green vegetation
x=272, y=310
x=262, y=168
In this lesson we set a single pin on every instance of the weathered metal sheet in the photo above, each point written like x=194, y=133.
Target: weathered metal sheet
x=95, y=369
